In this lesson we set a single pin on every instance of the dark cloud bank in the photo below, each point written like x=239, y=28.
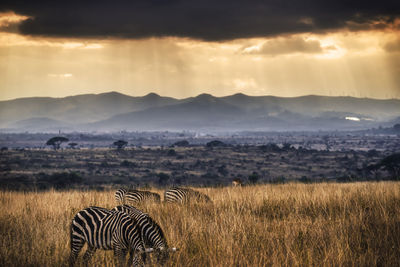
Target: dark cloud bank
x=201, y=19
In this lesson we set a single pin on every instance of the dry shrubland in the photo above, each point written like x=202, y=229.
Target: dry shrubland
x=327, y=224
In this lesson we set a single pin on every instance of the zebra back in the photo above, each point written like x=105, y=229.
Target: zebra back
x=136, y=196
x=184, y=195
x=153, y=235
x=103, y=229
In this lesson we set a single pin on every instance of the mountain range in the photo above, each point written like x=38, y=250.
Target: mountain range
x=113, y=111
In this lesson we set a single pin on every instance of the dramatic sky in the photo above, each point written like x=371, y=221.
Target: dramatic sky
x=182, y=48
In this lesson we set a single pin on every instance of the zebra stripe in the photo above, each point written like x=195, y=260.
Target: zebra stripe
x=104, y=229
x=120, y=195
x=152, y=234
x=136, y=196
x=184, y=195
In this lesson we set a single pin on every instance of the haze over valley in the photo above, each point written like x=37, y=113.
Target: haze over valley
x=113, y=112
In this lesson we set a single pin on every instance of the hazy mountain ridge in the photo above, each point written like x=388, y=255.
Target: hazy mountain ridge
x=78, y=109
x=114, y=112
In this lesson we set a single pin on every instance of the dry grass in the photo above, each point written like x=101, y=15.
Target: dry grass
x=270, y=225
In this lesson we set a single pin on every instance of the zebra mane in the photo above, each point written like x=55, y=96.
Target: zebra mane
x=133, y=209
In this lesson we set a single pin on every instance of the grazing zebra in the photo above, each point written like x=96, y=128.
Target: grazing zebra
x=152, y=233
x=184, y=195
x=140, y=196
x=104, y=229
x=135, y=196
x=120, y=195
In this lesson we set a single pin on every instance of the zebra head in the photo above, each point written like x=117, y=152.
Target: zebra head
x=157, y=198
x=202, y=197
x=138, y=257
x=206, y=198
x=162, y=253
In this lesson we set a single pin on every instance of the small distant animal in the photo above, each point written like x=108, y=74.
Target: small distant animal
x=135, y=196
x=237, y=182
x=103, y=229
x=184, y=195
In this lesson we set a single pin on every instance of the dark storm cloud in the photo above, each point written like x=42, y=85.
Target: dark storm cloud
x=200, y=19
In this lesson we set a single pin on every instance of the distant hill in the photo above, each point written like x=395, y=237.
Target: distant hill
x=114, y=112
x=202, y=112
x=40, y=124
x=79, y=108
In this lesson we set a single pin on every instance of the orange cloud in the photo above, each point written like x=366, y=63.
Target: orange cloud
x=287, y=45
x=10, y=20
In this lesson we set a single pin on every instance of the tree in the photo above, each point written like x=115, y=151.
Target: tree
x=182, y=143
x=72, y=145
x=287, y=147
x=215, y=143
x=391, y=164
x=171, y=153
x=120, y=144
x=56, y=141
x=163, y=178
x=253, y=178
x=271, y=147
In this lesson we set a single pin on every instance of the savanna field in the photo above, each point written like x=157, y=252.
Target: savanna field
x=325, y=224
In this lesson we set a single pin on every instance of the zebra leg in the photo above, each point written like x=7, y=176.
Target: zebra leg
x=88, y=254
x=119, y=255
x=76, y=246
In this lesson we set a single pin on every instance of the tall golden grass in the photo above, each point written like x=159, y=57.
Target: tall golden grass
x=266, y=225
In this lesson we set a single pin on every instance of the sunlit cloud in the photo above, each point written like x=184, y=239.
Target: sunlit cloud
x=63, y=75
x=287, y=45
x=383, y=23
x=9, y=20
x=241, y=84
x=15, y=40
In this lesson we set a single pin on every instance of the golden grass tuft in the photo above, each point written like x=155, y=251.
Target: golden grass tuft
x=266, y=225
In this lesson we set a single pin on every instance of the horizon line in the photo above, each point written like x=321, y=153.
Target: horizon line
x=194, y=96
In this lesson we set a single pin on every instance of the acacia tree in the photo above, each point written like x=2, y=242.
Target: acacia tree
x=120, y=144
x=391, y=164
x=72, y=145
x=56, y=141
x=253, y=178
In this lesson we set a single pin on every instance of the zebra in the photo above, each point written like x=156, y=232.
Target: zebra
x=105, y=229
x=184, y=195
x=152, y=233
x=135, y=196
x=120, y=195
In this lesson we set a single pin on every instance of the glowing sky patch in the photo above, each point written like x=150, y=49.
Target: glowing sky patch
x=63, y=75
x=352, y=118
x=345, y=62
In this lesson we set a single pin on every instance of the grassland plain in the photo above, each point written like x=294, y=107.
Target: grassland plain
x=326, y=224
